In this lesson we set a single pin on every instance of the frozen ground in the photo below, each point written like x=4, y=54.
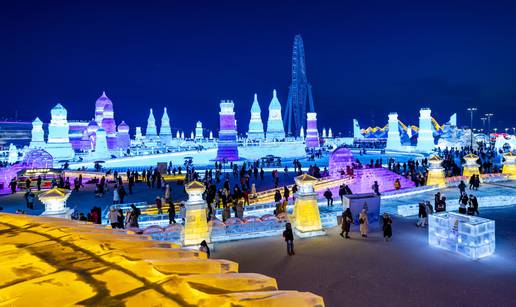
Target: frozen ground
x=371, y=272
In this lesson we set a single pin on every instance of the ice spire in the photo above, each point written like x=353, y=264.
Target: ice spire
x=165, y=134
x=256, y=123
x=275, y=129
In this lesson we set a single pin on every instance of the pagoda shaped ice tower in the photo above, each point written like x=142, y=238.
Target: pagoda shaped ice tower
x=275, y=129
x=198, y=131
x=165, y=134
x=256, y=123
x=151, y=134
x=312, y=134
x=38, y=135
x=393, y=135
x=425, y=138
x=58, y=144
x=227, y=146
x=101, y=146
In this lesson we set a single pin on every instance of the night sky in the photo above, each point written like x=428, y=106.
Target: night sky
x=364, y=59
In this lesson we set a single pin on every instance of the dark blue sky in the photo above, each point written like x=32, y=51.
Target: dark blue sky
x=364, y=58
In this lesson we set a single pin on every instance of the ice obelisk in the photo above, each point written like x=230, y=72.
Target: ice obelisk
x=275, y=129
x=256, y=123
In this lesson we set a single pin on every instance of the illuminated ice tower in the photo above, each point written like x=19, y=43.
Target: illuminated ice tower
x=198, y=131
x=124, y=140
x=99, y=107
x=196, y=227
x=425, y=139
x=436, y=172
x=256, y=123
x=108, y=124
x=393, y=135
x=58, y=144
x=151, y=134
x=101, y=146
x=38, y=135
x=306, y=217
x=299, y=91
x=312, y=134
x=165, y=134
x=275, y=129
x=227, y=146
x=356, y=130
x=471, y=166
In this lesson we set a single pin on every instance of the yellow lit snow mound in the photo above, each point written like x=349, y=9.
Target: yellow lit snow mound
x=57, y=262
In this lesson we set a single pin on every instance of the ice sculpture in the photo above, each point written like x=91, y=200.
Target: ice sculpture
x=196, y=224
x=101, y=146
x=123, y=137
x=356, y=130
x=470, y=167
x=312, y=134
x=13, y=154
x=58, y=144
x=509, y=166
x=151, y=134
x=275, y=129
x=425, y=139
x=436, y=172
x=323, y=133
x=393, y=135
x=211, y=135
x=198, y=131
x=306, y=217
x=471, y=236
x=340, y=159
x=165, y=134
x=302, y=133
x=55, y=203
x=108, y=122
x=330, y=133
x=227, y=146
x=99, y=108
x=256, y=124
x=38, y=135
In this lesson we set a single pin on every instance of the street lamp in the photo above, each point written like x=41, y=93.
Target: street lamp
x=506, y=130
x=489, y=115
x=471, y=110
x=483, y=119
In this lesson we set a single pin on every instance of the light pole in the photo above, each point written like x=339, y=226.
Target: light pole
x=489, y=115
x=471, y=110
x=483, y=119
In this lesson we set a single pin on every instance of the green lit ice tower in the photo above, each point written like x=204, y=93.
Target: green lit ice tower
x=255, y=124
x=275, y=129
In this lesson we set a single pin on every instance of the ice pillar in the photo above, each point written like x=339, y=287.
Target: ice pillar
x=151, y=133
x=196, y=227
x=227, y=146
x=306, y=216
x=312, y=134
x=425, y=139
x=198, y=131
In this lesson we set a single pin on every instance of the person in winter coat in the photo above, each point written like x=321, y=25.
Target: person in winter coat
x=121, y=193
x=159, y=205
x=116, y=196
x=364, y=223
x=329, y=197
x=288, y=235
x=462, y=187
x=347, y=220
x=113, y=217
x=342, y=192
x=474, y=203
x=387, y=227
x=277, y=196
x=205, y=248
x=172, y=214
x=463, y=203
x=120, y=218
x=422, y=215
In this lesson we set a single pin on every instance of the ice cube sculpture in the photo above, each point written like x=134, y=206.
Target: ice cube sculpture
x=471, y=236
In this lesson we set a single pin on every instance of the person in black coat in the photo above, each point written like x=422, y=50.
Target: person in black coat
x=171, y=213
x=387, y=227
x=329, y=197
x=289, y=238
x=347, y=220
x=277, y=196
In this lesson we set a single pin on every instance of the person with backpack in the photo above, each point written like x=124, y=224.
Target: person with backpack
x=288, y=235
